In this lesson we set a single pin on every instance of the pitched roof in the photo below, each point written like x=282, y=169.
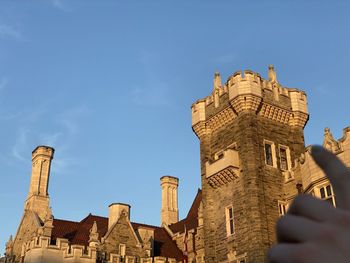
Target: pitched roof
x=78, y=233
x=191, y=220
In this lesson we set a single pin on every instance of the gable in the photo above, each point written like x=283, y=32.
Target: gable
x=122, y=232
x=78, y=233
x=191, y=220
x=26, y=230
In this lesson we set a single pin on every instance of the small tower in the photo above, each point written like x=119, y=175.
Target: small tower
x=38, y=197
x=250, y=131
x=170, y=211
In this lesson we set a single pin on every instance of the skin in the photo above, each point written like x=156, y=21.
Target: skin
x=313, y=230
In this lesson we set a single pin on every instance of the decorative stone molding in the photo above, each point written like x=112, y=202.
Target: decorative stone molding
x=224, y=169
x=298, y=119
x=275, y=113
x=200, y=129
x=221, y=119
x=246, y=93
x=247, y=102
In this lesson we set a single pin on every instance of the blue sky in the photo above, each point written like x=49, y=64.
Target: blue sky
x=109, y=84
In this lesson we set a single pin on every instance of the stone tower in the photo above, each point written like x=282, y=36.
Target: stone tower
x=38, y=197
x=250, y=131
x=170, y=211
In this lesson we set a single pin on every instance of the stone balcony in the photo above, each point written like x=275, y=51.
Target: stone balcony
x=223, y=169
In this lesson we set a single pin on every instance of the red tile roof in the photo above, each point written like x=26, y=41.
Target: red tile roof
x=78, y=233
x=191, y=220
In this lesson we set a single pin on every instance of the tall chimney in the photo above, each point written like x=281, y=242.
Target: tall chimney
x=115, y=210
x=38, y=196
x=170, y=211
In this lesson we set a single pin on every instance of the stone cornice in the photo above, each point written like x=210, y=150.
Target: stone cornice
x=275, y=113
x=246, y=102
x=221, y=119
x=223, y=177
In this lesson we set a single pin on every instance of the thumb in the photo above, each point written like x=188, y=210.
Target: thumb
x=337, y=172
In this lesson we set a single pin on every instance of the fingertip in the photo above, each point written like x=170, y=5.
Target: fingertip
x=321, y=155
x=317, y=150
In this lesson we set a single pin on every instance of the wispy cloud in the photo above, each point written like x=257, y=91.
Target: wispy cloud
x=7, y=31
x=69, y=118
x=59, y=132
x=51, y=138
x=20, y=144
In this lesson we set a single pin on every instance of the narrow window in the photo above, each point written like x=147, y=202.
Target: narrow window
x=230, y=226
x=283, y=159
x=282, y=208
x=122, y=250
x=326, y=193
x=268, y=154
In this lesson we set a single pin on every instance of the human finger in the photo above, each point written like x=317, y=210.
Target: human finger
x=290, y=253
x=337, y=173
x=312, y=208
x=293, y=229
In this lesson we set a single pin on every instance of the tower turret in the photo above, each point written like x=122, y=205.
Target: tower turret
x=250, y=130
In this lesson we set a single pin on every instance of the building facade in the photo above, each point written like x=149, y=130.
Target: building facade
x=253, y=164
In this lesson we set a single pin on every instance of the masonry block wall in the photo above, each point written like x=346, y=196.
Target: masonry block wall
x=250, y=130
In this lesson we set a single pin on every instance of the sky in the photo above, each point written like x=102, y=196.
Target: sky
x=110, y=84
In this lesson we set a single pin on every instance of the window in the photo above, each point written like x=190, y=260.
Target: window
x=283, y=159
x=122, y=250
x=270, y=153
x=282, y=208
x=326, y=193
x=285, y=162
x=230, y=226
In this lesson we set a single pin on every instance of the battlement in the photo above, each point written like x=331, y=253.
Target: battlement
x=248, y=92
x=249, y=76
x=41, y=249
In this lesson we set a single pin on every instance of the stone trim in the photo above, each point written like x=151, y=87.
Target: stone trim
x=275, y=113
x=221, y=119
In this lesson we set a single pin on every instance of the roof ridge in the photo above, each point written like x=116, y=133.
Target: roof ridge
x=142, y=224
x=70, y=221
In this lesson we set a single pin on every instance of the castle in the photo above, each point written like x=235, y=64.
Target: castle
x=253, y=164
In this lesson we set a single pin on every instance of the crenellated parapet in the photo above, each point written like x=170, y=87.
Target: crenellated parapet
x=247, y=92
x=40, y=249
